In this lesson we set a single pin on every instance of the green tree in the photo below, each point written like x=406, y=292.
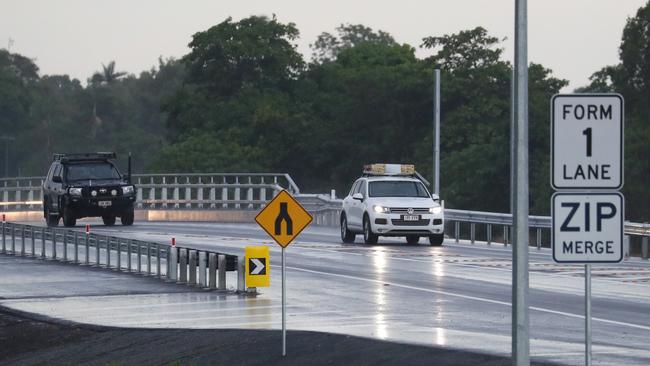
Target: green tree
x=18, y=74
x=239, y=86
x=107, y=75
x=631, y=78
x=328, y=46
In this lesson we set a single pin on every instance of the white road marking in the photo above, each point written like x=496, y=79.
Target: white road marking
x=469, y=297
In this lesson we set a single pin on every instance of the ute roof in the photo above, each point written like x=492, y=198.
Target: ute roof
x=82, y=157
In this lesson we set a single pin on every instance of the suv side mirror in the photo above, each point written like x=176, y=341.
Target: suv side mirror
x=358, y=196
x=57, y=179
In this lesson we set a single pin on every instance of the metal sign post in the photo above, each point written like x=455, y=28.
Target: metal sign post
x=436, y=131
x=283, y=219
x=284, y=306
x=520, y=320
x=588, y=314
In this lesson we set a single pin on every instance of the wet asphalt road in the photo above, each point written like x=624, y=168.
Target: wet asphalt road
x=455, y=296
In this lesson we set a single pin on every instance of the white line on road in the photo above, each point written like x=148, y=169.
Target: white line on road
x=469, y=297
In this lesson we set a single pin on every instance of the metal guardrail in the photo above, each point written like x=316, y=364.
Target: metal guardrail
x=251, y=191
x=489, y=227
x=169, y=191
x=205, y=269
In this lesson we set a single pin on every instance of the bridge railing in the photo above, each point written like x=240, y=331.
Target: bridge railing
x=489, y=227
x=169, y=191
x=251, y=191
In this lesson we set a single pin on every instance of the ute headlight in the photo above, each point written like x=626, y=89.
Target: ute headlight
x=74, y=191
x=93, y=193
x=128, y=190
x=380, y=209
x=435, y=210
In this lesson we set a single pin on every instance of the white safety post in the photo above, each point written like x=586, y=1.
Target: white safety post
x=4, y=238
x=172, y=275
x=221, y=271
x=212, y=269
x=202, y=266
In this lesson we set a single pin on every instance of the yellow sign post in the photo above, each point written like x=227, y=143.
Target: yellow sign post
x=257, y=267
x=283, y=219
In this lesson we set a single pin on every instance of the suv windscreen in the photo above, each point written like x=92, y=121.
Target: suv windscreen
x=91, y=171
x=397, y=189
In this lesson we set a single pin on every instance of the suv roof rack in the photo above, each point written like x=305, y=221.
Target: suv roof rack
x=84, y=156
x=392, y=170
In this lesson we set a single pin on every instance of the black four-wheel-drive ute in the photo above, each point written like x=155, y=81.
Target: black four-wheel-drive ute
x=87, y=185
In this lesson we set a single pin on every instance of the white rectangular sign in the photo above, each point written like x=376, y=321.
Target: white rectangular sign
x=587, y=141
x=587, y=227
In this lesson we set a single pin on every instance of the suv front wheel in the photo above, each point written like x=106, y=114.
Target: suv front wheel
x=128, y=217
x=436, y=240
x=52, y=220
x=109, y=220
x=347, y=236
x=68, y=219
x=368, y=236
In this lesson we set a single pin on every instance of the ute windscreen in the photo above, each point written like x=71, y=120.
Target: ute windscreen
x=397, y=189
x=91, y=171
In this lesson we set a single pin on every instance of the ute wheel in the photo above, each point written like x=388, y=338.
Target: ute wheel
x=128, y=218
x=108, y=220
x=68, y=219
x=368, y=236
x=347, y=236
x=412, y=239
x=436, y=240
x=51, y=220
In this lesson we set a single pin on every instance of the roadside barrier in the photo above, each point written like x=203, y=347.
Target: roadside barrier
x=243, y=194
x=204, y=269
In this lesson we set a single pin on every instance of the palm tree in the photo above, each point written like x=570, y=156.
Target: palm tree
x=107, y=75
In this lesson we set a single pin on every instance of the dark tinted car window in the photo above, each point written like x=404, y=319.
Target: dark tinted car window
x=354, y=188
x=57, y=171
x=93, y=171
x=50, y=173
x=397, y=189
x=357, y=189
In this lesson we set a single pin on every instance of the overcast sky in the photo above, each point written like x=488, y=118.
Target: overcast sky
x=572, y=37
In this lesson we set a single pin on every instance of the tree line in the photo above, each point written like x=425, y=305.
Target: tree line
x=244, y=99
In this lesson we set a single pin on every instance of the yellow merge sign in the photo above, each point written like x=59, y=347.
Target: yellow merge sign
x=258, y=265
x=283, y=218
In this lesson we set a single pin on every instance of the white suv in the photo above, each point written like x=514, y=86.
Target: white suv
x=391, y=206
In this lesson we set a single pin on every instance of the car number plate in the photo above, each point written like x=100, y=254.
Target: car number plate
x=411, y=217
x=105, y=203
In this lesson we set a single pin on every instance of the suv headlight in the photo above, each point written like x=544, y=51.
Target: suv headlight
x=435, y=210
x=128, y=190
x=74, y=191
x=380, y=209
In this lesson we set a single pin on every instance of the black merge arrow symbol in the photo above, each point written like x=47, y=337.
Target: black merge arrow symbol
x=283, y=216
